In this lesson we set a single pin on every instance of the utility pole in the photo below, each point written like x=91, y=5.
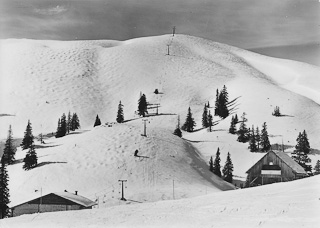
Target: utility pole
x=168, y=49
x=145, y=128
x=122, y=198
x=173, y=30
x=173, y=188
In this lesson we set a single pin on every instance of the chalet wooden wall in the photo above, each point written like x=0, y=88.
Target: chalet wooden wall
x=287, y=173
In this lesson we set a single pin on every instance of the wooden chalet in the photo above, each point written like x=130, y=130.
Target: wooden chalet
x=275, y=166
x=62, y=201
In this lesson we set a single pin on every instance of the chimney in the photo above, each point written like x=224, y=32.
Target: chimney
x=76, y=192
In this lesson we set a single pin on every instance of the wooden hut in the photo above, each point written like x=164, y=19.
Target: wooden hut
x=275, y=166
x=62, y=201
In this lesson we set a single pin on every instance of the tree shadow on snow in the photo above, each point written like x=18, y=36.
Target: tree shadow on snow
x=48, y=163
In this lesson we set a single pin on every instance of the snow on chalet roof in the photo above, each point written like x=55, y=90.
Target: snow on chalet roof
x=83, y=201
x=290, y=162
x=76, y=198
x=286, y=159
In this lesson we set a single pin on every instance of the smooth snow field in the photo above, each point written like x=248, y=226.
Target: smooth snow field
x=169, y=184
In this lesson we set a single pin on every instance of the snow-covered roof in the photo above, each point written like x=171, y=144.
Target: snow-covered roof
x=83, y=201
x=76, y=198
x=287, y=160
x=290, y=162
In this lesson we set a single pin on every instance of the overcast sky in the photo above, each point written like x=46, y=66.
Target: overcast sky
x=242, y=23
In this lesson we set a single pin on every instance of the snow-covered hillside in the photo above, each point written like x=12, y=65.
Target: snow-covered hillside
x=40, y=80
x=282, y=205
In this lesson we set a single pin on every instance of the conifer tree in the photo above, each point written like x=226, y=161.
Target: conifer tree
x=189, y=124
x=31, y=159
x=216, y=164
x=276, y=111
x=75, y=123
x=208, y=105
x=205, y=117
x=63, y=125
x=243, y=130
x=69, y=122
x=252, y=142
x=177, y=131
x=228, y=170
x=265, y=143
x=211, y=164
x=97, y=121
x=58, y=132
x=258, y=138
x=216, y=106
x=4, y=190
x=236, y=120
x=28, y=137
x=300, y=154
x=210, y=123
x=120, y=117
x=9, y=150
x=142, y=105
x=232, y=129
x=317, y=168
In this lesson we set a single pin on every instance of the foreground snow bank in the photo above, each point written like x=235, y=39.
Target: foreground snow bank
x=291, y=204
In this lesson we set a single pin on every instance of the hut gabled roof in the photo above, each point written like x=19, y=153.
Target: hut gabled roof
x=287, y=160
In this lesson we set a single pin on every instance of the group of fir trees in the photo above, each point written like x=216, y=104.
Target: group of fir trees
x=300, y=154
x=259, y=141
x=227, y=171
x=207, y=117
x=119, y=119
x=276, y=111
x=317, y=168
x=31, y=158
x=65, y=125
x=221, y=105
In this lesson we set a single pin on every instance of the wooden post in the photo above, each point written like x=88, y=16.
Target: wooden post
x=173, y=30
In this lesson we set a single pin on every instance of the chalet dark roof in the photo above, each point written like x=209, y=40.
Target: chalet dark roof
x=287, y=160
x=80, y=200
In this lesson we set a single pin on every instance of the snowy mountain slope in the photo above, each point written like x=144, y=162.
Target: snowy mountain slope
x=42, y=79
x=291, y=204
x=92, y=163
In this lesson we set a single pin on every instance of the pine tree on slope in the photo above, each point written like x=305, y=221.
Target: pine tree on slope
x=243, y=130
x=9, y=150
x=142, y=105
x=27, y=140
x=97, y=121
x=210, y=123
x=31, y=159
x=265, y=143
x=177, y=131
x=205, y=117
x=232, y=129
x=258, y=138
x=252, y=142
x=189, y=124
x=228, y=170
x=216, y=105
x=211, y=164
x=69, y=122
x=300, y=154
x=4, y=191
x=120, y=117
x=216, y=164
x=75, y=123
x=317, y=168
